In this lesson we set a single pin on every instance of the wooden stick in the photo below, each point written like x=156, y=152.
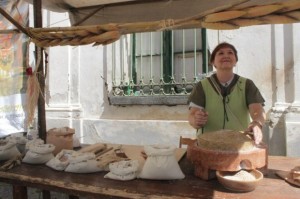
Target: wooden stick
x=10, y=31
x=88, y=16
x=14, y=22
x=104, y=151
x=104, y=27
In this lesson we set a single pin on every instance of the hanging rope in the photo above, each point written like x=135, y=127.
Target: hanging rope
x=33, y=90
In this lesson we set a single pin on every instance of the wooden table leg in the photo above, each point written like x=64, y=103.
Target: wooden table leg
x=46, y=194
x=19, y=192
x=73, y=197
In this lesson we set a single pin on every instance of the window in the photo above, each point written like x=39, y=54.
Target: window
x=158, y=67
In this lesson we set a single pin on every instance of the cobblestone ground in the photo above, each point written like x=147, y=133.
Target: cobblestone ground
x=6, y=193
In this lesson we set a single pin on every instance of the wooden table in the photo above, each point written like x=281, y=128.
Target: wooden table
x=95, y=186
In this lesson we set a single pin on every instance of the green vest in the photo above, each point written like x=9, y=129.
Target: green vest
x=235, y=104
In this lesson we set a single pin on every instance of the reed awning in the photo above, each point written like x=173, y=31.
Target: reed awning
x=100, y=22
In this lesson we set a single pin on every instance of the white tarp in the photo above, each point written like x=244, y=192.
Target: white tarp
x=95, y=12
x=13, y=52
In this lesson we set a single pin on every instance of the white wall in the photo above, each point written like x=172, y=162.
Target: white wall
x=77, y=94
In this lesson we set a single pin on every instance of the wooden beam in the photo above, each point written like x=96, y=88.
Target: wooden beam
x=38, y=23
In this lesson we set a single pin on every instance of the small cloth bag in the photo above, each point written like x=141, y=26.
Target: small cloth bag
x=61, y=160
x=20, y=141
x=83, y=163
x=123, y=170
x=8, y=149
x=39, y=153
x=161, y=163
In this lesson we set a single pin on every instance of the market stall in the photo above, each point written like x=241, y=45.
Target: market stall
x=91, y=25
x=103, y=22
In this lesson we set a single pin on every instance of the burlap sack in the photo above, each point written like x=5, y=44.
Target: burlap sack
x=161, y=163
x=61, y=138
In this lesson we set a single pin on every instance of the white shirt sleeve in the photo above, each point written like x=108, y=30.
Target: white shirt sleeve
x=193, y=105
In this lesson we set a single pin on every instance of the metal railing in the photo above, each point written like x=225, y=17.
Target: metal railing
x=161, y=64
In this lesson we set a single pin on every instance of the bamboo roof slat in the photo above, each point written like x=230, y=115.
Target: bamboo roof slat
x=294, y=14
x=259, y=11
x=290, y=5
x=278, y=19
x=246, y=22
x=224, y=16
x=219, y=25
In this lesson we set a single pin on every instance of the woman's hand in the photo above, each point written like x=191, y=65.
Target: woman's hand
x=256, y=128
x=258, y=116
x=197, y=117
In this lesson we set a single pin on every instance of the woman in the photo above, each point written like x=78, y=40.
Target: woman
x=226, y=100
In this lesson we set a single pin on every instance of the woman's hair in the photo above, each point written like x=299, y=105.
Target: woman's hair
x=220, y=46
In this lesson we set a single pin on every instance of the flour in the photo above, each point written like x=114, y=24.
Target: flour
x=242, y=175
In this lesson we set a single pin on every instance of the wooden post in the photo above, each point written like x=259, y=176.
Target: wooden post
x=46, y=194
x=38, y=23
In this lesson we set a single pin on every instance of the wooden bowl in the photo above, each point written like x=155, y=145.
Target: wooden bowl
x=240, y=181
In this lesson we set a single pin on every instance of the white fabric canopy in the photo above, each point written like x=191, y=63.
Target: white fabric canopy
x=132, y=11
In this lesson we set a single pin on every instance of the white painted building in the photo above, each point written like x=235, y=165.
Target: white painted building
x=77, y=95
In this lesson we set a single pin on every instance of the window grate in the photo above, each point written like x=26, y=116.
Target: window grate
x=162, y=66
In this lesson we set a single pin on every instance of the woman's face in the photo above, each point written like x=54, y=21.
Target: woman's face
x=225, y=59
